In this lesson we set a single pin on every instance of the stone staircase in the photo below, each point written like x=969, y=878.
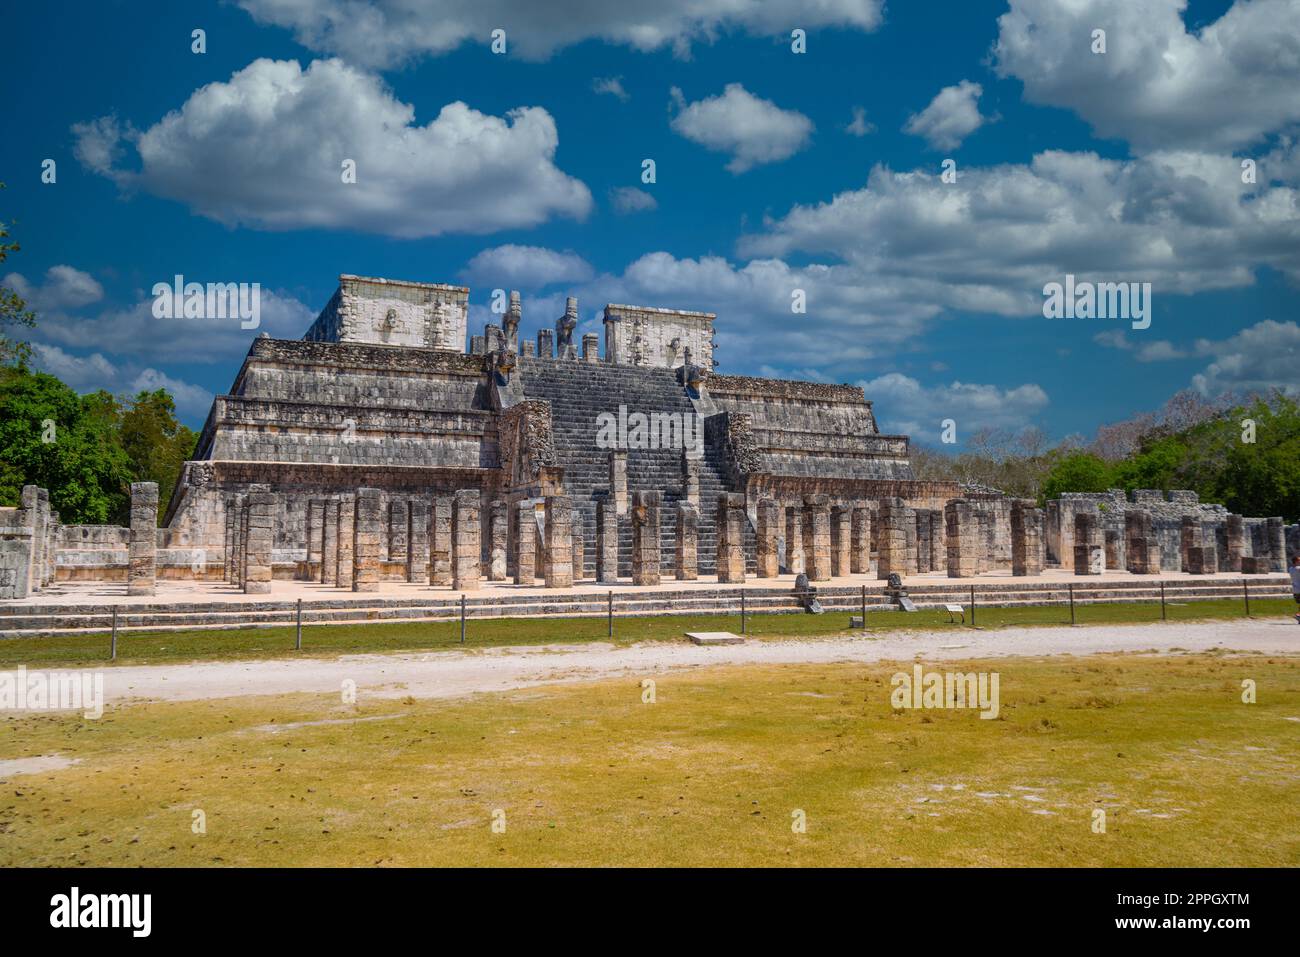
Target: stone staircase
x=579, y=392
x=762, y=596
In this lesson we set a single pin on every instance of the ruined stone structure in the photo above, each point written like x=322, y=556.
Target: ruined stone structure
x=390, y=445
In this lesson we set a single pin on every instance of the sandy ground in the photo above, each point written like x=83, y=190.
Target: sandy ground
x=448, y=674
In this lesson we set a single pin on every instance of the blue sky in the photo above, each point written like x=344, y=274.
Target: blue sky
x=516, y=170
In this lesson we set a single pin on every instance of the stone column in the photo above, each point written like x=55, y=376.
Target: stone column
x=921, y=522
x=1089, y=555
x=345, y=535
x=578, y=534
x=961, y=532
x=768, y=557
x=143, y=550
x=367, y=534
x=794, y=552
x=606, y=541
x=557, y=561
x=860, y=547
x=261, y=540
x=731, y=542
x=315, y=525
x=417, y=540
x=909, y=534
x=241, y=543
x=841, y=521
x=545, y=344
x=690, y=479
x=687, y=552
x=1114, y=548
x=618, y=480
x=398, y=527
x=466, y=549
x=329, y=559
x=32, y=497
x=228, y=565
x=590, y=347
x=645, y=537
x=1142, y=550
x=938, y=545
x=817, y=524
x=985, y=556
x=497, y=520
x=525, y=543
x=1276, y=531
x=1236, y=535
x=891, y=537
x=1026, y=539
x=440, y=536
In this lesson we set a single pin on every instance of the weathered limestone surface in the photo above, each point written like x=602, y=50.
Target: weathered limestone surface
x=417, y=540
x=768, y=532
x=841, y=539
x=794, y=551
x=1277, y=544
x=921, y=520
x=497, y=527
x=606, y=541
x=892, y=522
x=466, y=540
x=938, y=543
x=730, y=531
x=644, y=513
x=690, y=478
x=817, y=537
x=1236, y=543
x=441, y=537
x=144, y=540
x=618, y=480
x=329, y=563
x=1089, y=554
x=686, y=566
x=579, y=557
x=398, y=527
x=963, y=539
x=260, y=541
x=367, y=534
x=344, y=564
x=1026, y=539
x=525, y=543
x=557, y=563
x=860, y=550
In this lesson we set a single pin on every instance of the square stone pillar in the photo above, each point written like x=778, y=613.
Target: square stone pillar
x=909, y=534
x=241, y=543
x=1275, y=529
x=467, y=533
x=398, y=528
x=261, y=540
x=1114, y=548
x=961, y=533
x=817, y=536
x=545, y=343
x=232, y=523
x=618, y=480
x=314, y=525
x=690, y=479
x=985, y=551
x=590, y=347
x=841, y=521
x=860, y=545
x=1089, y=554
x=35, y=504
x=794, y=551
x=768, y=531
x=938, y=543
x=557, y=561
x=344, y=563
x=1142, y=549
x=525, y=543
x=892, y=522
x=440, y=537
x=731, y=541
x=579, y=536
x=329, y=560
x=644, y=513
x=367, y=536
x=143, y=550
x=1235, y=531
x=417, y=540
x=686, y=564
x=921, y=522
x=606, y=541
x=497, y=561
x=1026, y=539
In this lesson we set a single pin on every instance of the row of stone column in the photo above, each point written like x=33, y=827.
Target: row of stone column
x=30, y=540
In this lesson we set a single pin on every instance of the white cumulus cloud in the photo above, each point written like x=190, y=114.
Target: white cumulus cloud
x=526, y=267
x=754, y=131
x=952, y=115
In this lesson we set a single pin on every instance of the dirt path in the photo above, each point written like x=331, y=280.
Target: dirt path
x=447, y=674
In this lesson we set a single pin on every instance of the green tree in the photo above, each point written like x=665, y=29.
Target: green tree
x=13, y=310
x=49, y=437
x=156, y=444
x=1077, y=472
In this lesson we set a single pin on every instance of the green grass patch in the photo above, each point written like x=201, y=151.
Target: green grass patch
x=711, y=773
x=278, y=641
